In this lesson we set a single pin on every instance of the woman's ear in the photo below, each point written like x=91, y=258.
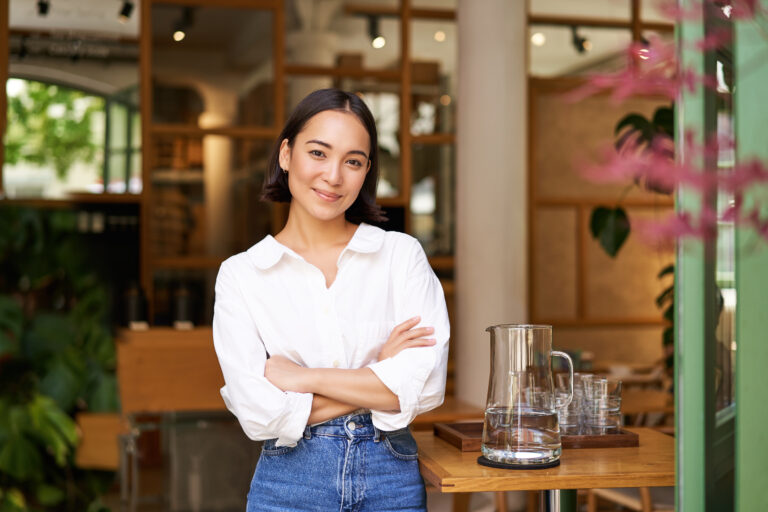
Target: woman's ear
x=285, y=155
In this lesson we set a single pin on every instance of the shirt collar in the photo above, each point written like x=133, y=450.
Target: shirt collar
x=266, y=253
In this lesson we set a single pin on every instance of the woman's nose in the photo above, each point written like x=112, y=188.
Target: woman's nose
x=333, y=173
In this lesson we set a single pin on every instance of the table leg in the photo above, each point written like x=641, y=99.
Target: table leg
x=557, y=500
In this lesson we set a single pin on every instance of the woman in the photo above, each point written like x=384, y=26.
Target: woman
x=333, y=335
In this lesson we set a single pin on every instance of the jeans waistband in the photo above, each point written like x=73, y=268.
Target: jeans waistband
x=349, y=425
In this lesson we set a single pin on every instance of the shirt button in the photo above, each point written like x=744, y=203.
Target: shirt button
x=351, y=425
x=336, y=363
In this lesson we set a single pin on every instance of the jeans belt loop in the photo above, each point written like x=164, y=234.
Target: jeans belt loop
x=376, y=434
x=307, y=432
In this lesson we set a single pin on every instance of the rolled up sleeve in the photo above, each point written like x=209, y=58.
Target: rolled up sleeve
x=263, y=410
x=416, y=375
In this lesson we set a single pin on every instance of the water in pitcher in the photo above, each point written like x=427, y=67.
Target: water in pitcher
x=521, y=436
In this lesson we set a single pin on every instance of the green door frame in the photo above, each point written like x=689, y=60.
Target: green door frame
x=722, y=457
x=705, y=438
x=751, y=116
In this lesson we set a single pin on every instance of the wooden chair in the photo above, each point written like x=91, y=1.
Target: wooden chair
x=642, y=499
x=162, y=370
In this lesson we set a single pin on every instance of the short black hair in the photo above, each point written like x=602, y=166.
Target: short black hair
x=364, y=209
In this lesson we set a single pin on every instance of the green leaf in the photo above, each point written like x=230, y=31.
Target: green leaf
x=49, y=333
x=55, y=429
x=49, y=495
x=636, y=122
x=667, y=295
x=669, y=269
x=63, y=383
x=664, y=120
x=102, y=396
x=21, y=459
x=12, y=500
x=611, y=227
x=11, y=316
x=668, y=337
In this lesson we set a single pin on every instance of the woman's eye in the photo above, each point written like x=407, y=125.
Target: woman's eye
x=356, y=163
x=316, y=152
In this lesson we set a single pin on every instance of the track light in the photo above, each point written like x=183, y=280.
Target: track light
x=42, y=7
x=125, y=12
x=184, y=23
x=377, y=40
x=582, y=44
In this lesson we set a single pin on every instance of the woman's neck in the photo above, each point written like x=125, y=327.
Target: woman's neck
x=303, y=232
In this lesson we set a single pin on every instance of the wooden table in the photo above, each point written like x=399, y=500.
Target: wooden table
x=652, y=464
x=639, y=401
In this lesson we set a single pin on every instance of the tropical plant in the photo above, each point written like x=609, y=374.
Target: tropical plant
x=56, y=358
x=50, y=125
x=611, y=225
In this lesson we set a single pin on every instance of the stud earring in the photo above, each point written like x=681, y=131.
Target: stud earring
x=285, y=171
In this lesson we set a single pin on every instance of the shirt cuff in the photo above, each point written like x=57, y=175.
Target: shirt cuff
x=405, y=376
x=297, y=410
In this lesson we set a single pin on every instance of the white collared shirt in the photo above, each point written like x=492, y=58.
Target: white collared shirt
x=269, y=300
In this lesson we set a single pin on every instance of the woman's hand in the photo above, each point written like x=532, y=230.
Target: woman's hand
x=405, y=336
x=286, y=375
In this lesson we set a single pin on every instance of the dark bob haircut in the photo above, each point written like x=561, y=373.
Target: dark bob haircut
x=364, y=209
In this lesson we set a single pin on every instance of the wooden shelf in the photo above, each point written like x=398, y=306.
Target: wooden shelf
x=73, y=200
x=415, y=13
x=191, y=130
x=596, y=23
x=601, y=322
x=442, y=262
x=434, y=138
x=384, y=75
x=392, y=202
x=188, y=262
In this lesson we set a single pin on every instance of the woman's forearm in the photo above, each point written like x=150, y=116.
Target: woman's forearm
x=360, y=387
x=324, y=408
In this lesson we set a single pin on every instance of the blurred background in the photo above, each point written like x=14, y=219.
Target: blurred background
x=134, y=152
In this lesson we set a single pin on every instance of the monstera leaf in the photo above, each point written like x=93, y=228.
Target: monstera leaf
x=610, y=226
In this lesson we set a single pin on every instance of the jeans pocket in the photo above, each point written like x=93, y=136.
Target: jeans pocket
x=401, y=444
x=269, y=448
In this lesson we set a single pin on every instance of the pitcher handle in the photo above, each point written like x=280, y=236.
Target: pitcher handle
x=570, y=379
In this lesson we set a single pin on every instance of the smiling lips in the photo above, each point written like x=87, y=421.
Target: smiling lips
x=327, y=196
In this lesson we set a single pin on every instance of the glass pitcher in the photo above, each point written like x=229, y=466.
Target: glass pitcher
x=521, y=426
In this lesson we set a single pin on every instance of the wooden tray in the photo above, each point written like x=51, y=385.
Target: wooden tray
x=467, y=437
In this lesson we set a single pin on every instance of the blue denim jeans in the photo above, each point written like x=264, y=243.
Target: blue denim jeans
x=344, y=464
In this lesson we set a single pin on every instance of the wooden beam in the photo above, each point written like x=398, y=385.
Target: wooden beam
x=385, y=75
x=145, y=215
x=4, y=43
x=191, y=130
x=568, y=21
x=434, y=138
x=227, y=4
x=394, y=12
x=406, y=162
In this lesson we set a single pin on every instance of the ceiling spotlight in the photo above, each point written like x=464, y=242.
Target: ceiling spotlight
x=439, y=36
x=43, y=6
x=125, y=12
x=184, y=23
x=582, y=44
x=377, y=40
x=538, y=39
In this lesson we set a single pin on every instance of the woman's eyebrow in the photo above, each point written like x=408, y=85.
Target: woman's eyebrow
x=326, y=145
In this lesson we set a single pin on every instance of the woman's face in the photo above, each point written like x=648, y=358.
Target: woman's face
x=327, y=164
